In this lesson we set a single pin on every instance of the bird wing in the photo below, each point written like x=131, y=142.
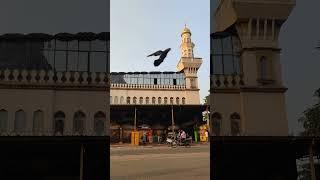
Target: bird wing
x=158, y=53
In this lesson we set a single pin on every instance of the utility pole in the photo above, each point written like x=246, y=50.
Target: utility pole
x=172, y=119
x=135, y=118
x=81, y=162
x=312, y=169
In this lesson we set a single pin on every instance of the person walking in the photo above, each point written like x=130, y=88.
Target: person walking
x=207, y=136
x=144, y=138
x=183, y=136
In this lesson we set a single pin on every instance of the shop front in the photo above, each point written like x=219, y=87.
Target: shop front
x=153, y=122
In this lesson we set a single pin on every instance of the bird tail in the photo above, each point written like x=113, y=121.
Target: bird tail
x=157, y=62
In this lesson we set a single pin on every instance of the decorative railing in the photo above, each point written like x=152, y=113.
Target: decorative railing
x=42, y=77
x=226, y=81
x=148, y=86
x=49, y=132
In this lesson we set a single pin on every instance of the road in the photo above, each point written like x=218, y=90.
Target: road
x=158, y=163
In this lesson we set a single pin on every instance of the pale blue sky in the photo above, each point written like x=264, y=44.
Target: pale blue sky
x=140, y=27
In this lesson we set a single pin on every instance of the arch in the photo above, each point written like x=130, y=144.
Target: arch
x=38, y=121
x=128, y=100
x=115, y=100
x=153, y=100
x=177, y=100
x=79, y=122
x=183, y=100
x=121, y=100
x=141, y=100
x=147, y=100
x=20, y=121
x=3, y=120
x=110, y=99
x=159, y=100
x=59, y=118
x=263, y=63
x=134, y=100
x=171, y=100
x=216, y=123
x=99, y=123
x=235, y=124
x=165, y=100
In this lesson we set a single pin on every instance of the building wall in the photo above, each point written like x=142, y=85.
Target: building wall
x=50, y=102
x=191, y=96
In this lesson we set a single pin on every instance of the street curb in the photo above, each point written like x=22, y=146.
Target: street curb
x=151, y=146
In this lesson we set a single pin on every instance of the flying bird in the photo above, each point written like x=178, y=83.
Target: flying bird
x=162, y=54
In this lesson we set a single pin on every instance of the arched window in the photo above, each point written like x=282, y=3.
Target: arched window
x=147, y=100
x=171, y=100
x=128, y=100
x=183, y=100
x=121, y=100
x=216, y=119
x=78, y=122
x=177, y=100
x=165, y=100
x=99, y=123
x=153, y=100
x=115, y=101
x=38, y=120
x=134, y=100
x=159, y=100
x=59, y=118
x=110, y=99
x=263, y=68
x=141, y=100
x=3, y=120
x=20, y=121
x=235, y=124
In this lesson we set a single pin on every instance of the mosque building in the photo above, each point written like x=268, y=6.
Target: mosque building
x=157, y=100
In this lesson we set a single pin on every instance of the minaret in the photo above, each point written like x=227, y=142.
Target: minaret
x=188, y=64
x=186, y=44
x=254, y=99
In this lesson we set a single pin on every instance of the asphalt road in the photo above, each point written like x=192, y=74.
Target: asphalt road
x=158, y=163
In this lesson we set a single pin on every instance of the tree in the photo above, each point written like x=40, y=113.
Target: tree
x=311, y=124
x=304, y=173
x=207, y=100
x=311, y=118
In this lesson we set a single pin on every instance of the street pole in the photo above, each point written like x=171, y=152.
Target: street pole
x=172, y=119
x=81, y=162
x=312, y=169
x=208, y=118
x=135, y=118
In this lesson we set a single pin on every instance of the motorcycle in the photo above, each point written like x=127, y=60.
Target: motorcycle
x=172, y=140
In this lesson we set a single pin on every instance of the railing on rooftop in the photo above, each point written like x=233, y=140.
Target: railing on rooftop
x=148, y=86
x=42, y=77
x=226, y=81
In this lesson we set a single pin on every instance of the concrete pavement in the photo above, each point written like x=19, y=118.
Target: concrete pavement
x=161, y=162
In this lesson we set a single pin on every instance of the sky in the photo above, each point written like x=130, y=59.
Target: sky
x=141, y=27
x=54, y=16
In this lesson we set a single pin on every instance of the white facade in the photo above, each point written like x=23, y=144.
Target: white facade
x=32, y=108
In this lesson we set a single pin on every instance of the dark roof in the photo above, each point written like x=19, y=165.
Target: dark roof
x=81, y=36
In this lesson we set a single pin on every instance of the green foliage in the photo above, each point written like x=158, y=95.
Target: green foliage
x=206, y=100
x=304, y=174
x=311, y=118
